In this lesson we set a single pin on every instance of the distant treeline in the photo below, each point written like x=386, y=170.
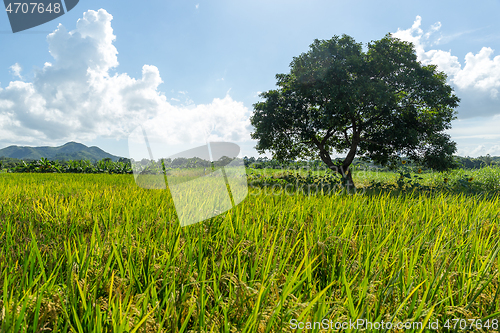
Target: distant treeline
x=106, y=165
x=44, y=165
x=460, y=162
x=124, y=165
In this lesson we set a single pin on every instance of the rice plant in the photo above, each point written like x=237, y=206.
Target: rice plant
x=96, y=253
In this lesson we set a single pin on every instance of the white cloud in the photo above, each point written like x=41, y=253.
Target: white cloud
x=223, y=119
x=476, y=150
x=480, y=72
x=16, y=70
x=76, y=98
x=197, y=6
x=477, y=83
x=443, y=59
x=476, y=136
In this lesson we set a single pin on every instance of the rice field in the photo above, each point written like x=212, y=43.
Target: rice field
x=97, y=253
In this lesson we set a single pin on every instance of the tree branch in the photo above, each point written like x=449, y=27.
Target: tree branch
x=328, y=135
x=352, y=152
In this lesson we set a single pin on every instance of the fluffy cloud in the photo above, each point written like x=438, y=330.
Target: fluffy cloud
x=16, y=70
x=481, y=72
x=477, y=83
x=76, y=98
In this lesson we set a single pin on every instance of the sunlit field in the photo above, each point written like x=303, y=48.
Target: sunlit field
x=97, y=253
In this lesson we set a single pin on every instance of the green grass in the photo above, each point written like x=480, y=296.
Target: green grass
x=96, y=253
x=485, y=180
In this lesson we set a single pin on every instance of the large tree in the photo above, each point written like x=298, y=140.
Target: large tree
x=380, y=104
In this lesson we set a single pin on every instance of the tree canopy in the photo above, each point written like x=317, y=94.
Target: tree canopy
x=380, y=104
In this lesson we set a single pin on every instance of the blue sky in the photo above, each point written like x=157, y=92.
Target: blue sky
x=194, y=68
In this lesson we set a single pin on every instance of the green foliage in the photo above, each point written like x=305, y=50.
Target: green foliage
x=9, y=163
x=378, y=104
x=295, y=182
x=477, y=163
x=84, y=166
x=408, y=178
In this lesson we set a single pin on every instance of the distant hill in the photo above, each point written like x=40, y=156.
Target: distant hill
x=68, y=151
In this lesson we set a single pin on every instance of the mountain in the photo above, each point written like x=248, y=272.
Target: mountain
x=68, y=151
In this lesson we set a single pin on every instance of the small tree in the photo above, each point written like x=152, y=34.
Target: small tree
x=379, y=104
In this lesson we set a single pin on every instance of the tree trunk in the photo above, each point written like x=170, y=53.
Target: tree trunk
x=348, y=182
x=344, y=169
